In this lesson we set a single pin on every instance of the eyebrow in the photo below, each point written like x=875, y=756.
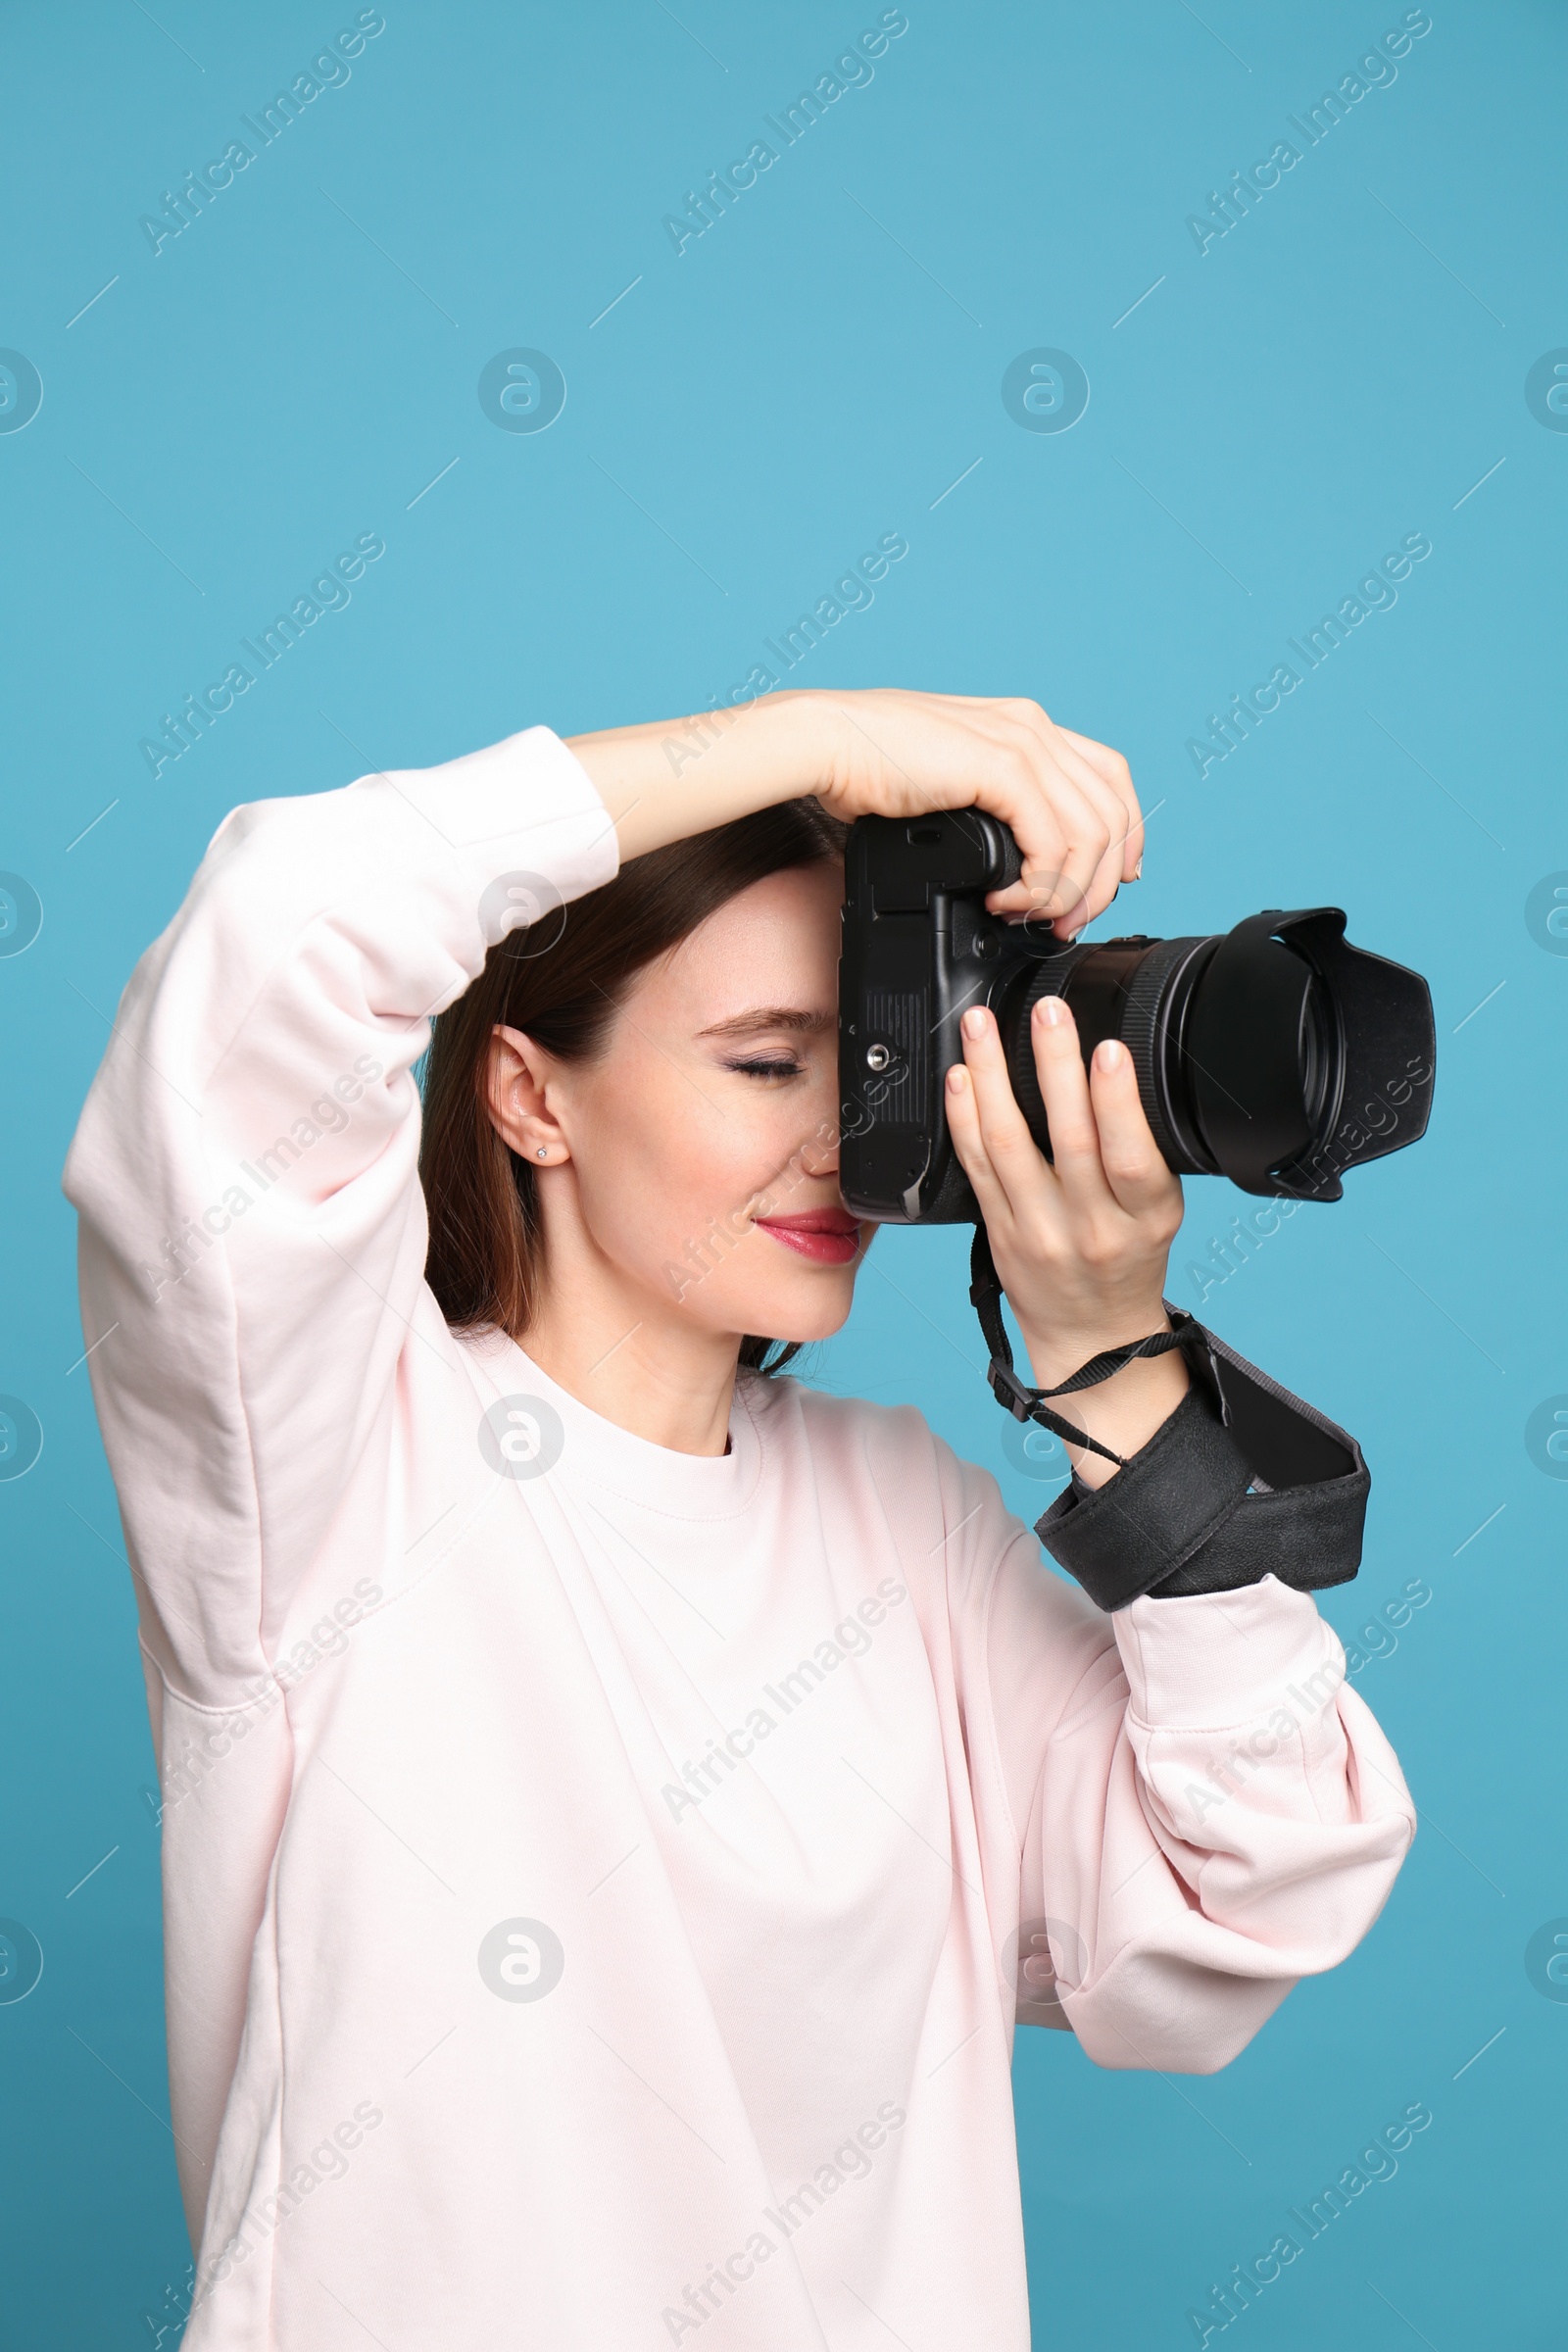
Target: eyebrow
x=763, y=1018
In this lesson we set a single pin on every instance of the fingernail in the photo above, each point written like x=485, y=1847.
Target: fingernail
x=957, y=1079
x=1137, y=869
x=1108, y=1054
x=1049, y=1011
x=974, y=1023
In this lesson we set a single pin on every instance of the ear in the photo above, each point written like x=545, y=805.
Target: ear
x=517, y=1077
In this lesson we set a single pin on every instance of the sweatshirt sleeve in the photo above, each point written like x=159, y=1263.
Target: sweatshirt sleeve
x=252, y=1231
x=1203, y=1810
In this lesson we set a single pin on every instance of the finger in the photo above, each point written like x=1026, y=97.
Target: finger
x=1062, y=836
x=1114, y=771
x=1044, y=888
x=1095, y=778
x=1106, y=878
x=1129, y=1155
x=964, y=1125
x=1069, y=1113
x=1093, y=816
x=1016, y=1160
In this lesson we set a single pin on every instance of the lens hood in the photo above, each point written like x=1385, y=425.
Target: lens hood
x=1306, y=1055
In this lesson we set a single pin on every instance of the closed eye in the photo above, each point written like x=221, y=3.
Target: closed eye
x=763, y=1068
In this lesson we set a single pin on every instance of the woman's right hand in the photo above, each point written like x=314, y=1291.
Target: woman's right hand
x=1068, y=800
x=887, y=753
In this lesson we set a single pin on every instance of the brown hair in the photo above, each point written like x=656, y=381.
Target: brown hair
x=561, y=981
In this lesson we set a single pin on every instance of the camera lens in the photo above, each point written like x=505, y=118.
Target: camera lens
x=1242, y=1044
x=1138, y=990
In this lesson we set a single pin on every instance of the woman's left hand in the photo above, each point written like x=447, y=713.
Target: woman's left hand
x=1080, y=1241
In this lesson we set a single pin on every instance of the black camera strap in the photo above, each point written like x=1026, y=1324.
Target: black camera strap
x=1029, y=1404
x=1173, y=1523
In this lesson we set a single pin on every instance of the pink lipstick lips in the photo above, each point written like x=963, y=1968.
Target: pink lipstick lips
x=829, y=1237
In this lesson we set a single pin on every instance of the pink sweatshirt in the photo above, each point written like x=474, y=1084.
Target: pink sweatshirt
x=594, y=1875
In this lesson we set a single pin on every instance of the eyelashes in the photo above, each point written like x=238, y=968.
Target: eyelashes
x=765, y=1069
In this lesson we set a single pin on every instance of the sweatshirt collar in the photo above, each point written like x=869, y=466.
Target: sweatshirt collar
x=599, y=1455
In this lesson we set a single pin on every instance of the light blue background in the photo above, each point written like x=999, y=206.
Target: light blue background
x=1339, y=370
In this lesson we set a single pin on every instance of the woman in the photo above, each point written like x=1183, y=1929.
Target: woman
x=607, y=1790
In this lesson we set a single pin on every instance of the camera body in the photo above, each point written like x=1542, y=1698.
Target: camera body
x=1276, y=1055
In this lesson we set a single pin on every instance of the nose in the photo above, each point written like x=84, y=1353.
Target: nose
x=819, y=1154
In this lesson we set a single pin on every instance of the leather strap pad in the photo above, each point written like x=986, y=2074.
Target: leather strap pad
x=1242, y=1480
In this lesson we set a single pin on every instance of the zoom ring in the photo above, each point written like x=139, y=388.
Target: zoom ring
x=1049, y=978
x=1143, y=1036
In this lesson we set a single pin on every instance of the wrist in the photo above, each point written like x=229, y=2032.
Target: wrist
x=1123, y=1411
x=669, y=779
x=1058, y=1350
x=800, y=740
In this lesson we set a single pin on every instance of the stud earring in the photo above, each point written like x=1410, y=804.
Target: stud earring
x=542, y=1152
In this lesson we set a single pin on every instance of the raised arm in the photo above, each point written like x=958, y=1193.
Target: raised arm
x=888, y=753
x=252, y=1235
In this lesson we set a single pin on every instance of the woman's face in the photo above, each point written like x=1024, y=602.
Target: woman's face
x=703, y=1143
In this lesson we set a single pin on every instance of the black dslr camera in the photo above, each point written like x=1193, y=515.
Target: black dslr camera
x=1276, y=1055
